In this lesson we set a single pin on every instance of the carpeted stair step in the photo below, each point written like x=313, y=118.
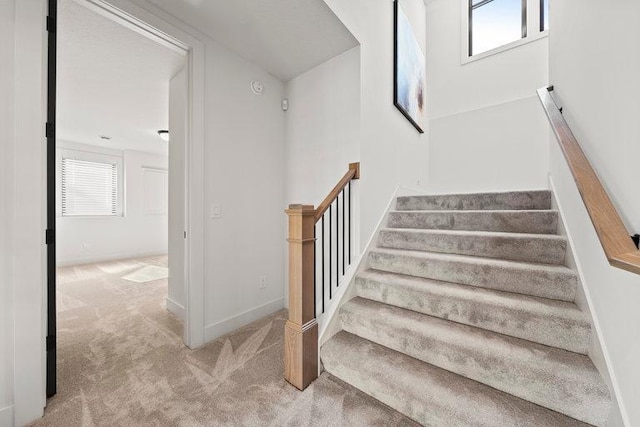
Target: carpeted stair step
x=541, y=280
x=554, y=323
x=480, y=201
x=427, y=394
x=545, y=249
x=562, y=381
x=508, y=221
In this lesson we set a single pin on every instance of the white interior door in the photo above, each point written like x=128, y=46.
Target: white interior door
x=178, y=94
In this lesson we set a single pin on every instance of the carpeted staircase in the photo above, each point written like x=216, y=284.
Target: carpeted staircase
x=465, y=317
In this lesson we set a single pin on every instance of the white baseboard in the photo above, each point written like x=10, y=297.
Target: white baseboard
x=105, y=258
x=601, y=358
x=175, y=308
x=6, y=417
x=218, y=329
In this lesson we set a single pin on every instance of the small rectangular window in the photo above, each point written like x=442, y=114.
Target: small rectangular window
x=89, y=188
x=495, y=23
x=544, y=15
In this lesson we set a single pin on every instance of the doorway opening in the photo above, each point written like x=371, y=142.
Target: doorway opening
x=121, y=133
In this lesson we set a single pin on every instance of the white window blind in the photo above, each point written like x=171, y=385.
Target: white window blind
x=89, y=188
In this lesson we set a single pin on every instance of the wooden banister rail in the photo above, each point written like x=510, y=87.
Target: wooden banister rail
x=618, y=246
x=353, y=173
x=301, y=329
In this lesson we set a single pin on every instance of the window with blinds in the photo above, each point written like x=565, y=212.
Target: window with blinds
x=89, y=188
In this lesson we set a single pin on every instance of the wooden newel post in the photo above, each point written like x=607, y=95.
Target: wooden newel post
x=301, y=330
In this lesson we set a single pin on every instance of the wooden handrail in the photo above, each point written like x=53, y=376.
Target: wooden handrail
x=618, y=246
x=353, y=173
x=301, y=329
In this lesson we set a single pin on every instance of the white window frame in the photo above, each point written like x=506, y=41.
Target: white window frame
x=533, y=32
x=89, y=156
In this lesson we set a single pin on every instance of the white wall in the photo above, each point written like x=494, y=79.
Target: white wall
x=594, y=63
x=244, y=172
x=322, y=127
x=6, y=210
x=496, y=148
x=135, y=234
x=322, y=132
x=487, y=131
x=392, y=152
x=595, y=60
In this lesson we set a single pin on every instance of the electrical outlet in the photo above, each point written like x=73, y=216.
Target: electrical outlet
x=263, y=282
x=84, y=247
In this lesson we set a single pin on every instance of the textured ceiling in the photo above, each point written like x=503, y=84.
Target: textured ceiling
x=286, y=37
x=111, y=81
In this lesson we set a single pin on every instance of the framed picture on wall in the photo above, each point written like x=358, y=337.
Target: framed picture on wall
x=409, y=88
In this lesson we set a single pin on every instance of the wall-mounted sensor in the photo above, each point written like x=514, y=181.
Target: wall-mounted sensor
x=285, y=104
x=256, y=87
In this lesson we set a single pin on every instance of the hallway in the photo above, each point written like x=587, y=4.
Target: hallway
x=121, y=362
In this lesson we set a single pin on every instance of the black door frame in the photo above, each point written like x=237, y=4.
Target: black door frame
x=52, y=19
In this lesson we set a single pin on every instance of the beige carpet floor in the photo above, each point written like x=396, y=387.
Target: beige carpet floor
x=121, y=362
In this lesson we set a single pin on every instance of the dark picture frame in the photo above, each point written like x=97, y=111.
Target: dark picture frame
x=409, y=73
